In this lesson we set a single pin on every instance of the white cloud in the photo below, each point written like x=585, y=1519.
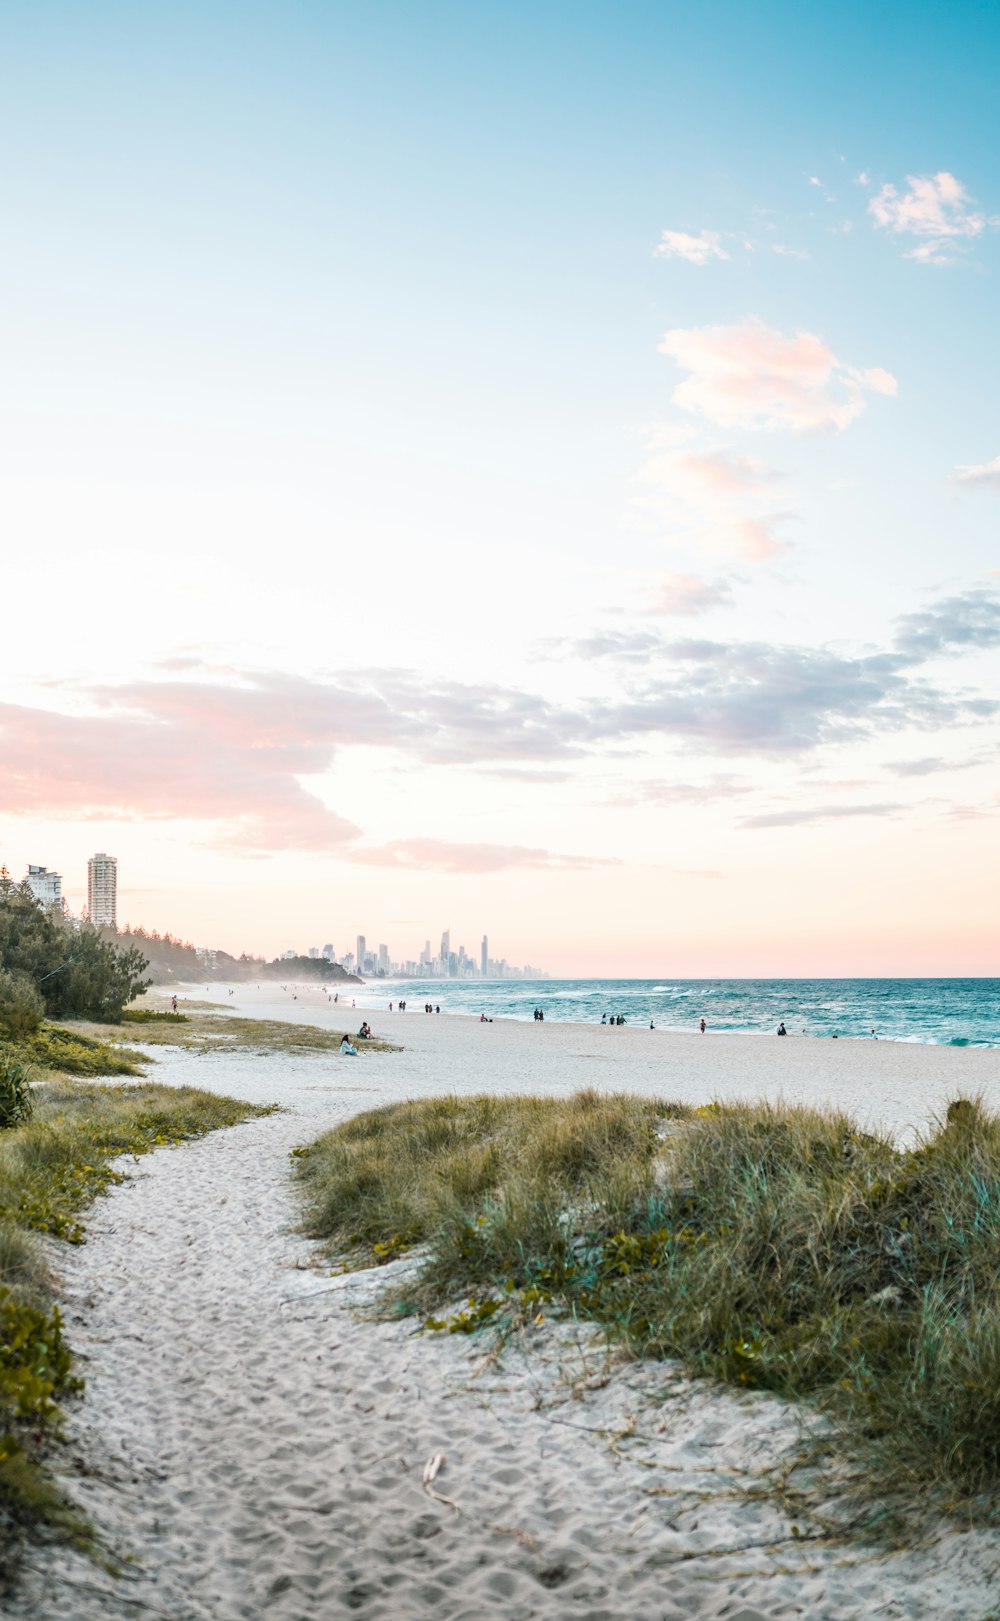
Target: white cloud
x=934, y=208
x=788, y=253
x=697, y=250
x=685, y=595
x=751, y=376
x=987, y=473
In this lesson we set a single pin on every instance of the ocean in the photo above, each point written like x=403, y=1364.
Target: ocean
x=952, y=1012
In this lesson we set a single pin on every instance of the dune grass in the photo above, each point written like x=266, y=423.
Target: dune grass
x=199, y=1029
x=51, y=1168
x=772, y=1247
x=55, y=1050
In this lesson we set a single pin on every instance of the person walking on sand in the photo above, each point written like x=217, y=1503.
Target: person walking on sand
x=703, y=1027
x=173, y=1004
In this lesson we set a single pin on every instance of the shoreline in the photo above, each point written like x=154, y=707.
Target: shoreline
x=371, y=1001
x=903, y=1086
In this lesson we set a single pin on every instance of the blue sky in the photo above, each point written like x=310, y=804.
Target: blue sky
x=337, y=345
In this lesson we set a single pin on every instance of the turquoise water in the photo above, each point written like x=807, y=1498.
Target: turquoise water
x=957, y=1012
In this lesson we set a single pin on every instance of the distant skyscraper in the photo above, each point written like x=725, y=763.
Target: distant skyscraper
x=383, y=959
x=446, y=945
x=484, y=957
x=102, y=890
x=361, y=953
x=328, y=952
x=45, y=886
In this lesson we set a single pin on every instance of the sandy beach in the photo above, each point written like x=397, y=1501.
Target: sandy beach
x=257, y=1445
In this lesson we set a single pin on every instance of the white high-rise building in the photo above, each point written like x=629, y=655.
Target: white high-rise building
x=446, y=947
x=484, y=958
x=361, y=953
x=328, y=952
x=45, y=886
x=383, y=959
x=102, y=890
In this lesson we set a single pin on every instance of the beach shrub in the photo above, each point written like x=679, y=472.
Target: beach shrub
x=15, y=1090
x=22, y=1007
x=773, y=1247
x=67, y=1052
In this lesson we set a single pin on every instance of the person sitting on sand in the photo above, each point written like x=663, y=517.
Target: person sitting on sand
x=347, y=1048
x=604, y=1018
x=781, y=1029
x=364, y=1034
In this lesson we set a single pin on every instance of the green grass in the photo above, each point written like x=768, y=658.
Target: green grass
x=51, y=1168
x=55, y=1050
x=147, y=1015
x=771, y=1247
x=204, y=1031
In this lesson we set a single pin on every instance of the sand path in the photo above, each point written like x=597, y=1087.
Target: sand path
x=258, y=1446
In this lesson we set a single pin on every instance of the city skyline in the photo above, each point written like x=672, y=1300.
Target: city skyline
x=538, y=466
x=101, y=909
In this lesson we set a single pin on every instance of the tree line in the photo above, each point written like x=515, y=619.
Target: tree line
x=50, y=969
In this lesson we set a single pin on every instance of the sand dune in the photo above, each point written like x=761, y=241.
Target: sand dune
x=259, y=1446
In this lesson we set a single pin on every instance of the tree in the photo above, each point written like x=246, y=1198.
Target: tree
x=74, y=971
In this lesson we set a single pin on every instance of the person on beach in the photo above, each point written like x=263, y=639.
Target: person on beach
x=703, y=1027
x=781, y=1029
x=604, y=1018
x=173, y=1004
x=347, y=1048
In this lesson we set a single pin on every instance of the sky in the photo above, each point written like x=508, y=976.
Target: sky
x=524, y=469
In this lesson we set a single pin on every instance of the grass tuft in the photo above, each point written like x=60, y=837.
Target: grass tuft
x=772, y=1247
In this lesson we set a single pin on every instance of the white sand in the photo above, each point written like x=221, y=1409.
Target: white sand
x=259, y=1447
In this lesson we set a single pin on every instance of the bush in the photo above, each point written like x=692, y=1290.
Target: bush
x=15, y=1090
x=22, y=1007
x=772, y=1247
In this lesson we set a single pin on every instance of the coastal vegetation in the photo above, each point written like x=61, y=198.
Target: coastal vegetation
x=57, y=1153
x=178, y=962
x=201, y=1029
x=772, y=1247
x=49, y=968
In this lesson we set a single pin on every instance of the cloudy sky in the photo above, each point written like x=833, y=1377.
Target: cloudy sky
x=524, y=468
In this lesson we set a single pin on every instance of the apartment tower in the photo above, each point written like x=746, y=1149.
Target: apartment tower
x=102, y=890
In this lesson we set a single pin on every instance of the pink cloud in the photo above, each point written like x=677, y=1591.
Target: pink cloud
x=716, y=498
x=933, y=207
x=753, y=377
x=721, y=474
x=192, y=752
x=697, y=250
x=439, y=855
